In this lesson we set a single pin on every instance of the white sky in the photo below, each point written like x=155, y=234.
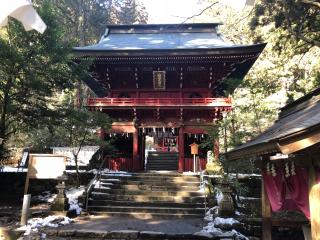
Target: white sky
x=176, y=11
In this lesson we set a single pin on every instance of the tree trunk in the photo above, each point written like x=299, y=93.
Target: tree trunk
x=77, y=169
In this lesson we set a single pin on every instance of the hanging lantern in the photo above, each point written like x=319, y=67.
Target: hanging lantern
x=163, y=129
x=172, y=130
x=143, y=130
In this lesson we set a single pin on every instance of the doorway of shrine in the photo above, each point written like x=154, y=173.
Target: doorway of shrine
x=163, y=145
x=161, y=148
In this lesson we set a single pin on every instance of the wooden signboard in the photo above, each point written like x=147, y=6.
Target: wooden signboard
x=45, y=166
x=159, y=80
x=194, y=148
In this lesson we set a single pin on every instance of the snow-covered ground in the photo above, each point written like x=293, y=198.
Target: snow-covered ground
x=73, y=194
x=224, y=226
x=110, y=172
x=34, y=224
x=45, y=196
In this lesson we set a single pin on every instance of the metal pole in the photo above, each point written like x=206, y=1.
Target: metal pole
x=25, y=209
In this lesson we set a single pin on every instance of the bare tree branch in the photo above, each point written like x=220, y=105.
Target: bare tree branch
x=200, y=13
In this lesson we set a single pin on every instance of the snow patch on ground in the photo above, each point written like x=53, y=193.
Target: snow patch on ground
x=73, y=194
x=45, y=196
x=229, y=221
x=110, y=172
x=210, y=228
x=215, y=231
x=34, y=224
x=210, y=213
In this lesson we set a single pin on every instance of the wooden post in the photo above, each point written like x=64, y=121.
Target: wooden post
x=135, y=155
x=314, y=202
x=181, y=149
x=266, y=214
x=25, y=209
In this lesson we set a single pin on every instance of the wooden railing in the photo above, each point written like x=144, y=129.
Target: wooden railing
x=159, y=102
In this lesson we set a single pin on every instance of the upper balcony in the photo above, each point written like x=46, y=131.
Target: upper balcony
x=224, y=104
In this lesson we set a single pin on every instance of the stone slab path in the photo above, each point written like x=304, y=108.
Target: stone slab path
x=167, y=226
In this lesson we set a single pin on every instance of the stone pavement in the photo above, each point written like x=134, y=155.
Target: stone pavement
x=168, y=226
x=104, y=227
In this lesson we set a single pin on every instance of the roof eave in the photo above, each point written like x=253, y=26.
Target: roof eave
x=244, y=49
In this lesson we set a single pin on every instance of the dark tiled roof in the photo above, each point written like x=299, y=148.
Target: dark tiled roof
x=295, y=118
x=160, y=37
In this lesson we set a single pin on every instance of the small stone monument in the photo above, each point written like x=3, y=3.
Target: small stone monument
x=226, y=207
x=213, y=165
x=60, y=203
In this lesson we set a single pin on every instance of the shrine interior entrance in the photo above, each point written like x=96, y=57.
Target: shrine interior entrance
x=161, y=150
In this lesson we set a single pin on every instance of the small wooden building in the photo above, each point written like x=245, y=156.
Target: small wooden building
x=166, y=82
x=289, y=156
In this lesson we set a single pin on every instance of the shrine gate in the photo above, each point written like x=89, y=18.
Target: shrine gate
x=163, y=84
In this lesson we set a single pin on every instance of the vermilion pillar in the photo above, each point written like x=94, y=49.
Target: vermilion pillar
x=181, y=149
x=135, y=154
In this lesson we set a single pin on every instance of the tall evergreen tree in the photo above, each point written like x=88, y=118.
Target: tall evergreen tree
x=130, y=12
x=34, y=68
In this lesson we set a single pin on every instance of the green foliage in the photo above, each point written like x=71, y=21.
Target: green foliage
x=34, y=68
x=87, y=20
x=298, y=20
x=287, y=68
x=130, y=12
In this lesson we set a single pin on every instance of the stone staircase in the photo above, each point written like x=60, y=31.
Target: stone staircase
x=147, y=195
x=162, y=161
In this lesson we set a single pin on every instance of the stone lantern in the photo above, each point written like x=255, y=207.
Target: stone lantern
x=61, y=201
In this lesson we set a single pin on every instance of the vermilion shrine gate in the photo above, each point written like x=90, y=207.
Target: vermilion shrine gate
x=162, y=85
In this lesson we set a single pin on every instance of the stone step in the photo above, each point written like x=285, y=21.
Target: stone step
x=153, y=159
x=144, y=198
x=147, y=209
x=150, y=177
x=162, y=167
x=159, y=173
x=139, y=215
x=147, y=192
x=163, y=153
x=162, y=163
x=155, y=184
x=140, y=204
x=151, y=187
